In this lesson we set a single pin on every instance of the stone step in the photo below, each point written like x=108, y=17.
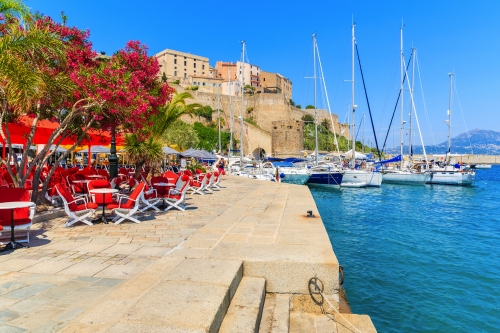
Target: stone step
x=362, y=323
x=244, y=313
x=276, y=314
x=192, y=298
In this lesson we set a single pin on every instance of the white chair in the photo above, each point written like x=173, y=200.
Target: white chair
x=176, y=196
x=76, y=212
x=150, y=198
x=198, y=186
x=126, y=211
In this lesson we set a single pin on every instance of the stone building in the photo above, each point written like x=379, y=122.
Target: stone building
x=276, y=83
x=178, y=65
x=287, y=137
x=226, y=70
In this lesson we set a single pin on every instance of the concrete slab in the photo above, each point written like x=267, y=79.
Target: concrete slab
x=245, y=310
x=346, y=321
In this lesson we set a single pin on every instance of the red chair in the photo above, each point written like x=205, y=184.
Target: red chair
x=22, y=216
x=171, y=176
x=150, y=198
x=162, y=190
x=103, y=173
x=78, y=209
x=176, y=196
x=198, y=185
x=126, y=211
x=77, y=187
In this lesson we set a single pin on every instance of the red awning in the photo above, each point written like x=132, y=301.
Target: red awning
x=44, y=129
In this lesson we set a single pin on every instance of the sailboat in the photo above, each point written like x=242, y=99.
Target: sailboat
x=447, y=173
x=358, y=177
x=321, y=174
x=410, y=174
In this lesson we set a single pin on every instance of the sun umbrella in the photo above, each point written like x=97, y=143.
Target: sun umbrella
x=169, y=151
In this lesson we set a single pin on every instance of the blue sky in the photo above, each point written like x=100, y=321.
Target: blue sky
x=450, y=36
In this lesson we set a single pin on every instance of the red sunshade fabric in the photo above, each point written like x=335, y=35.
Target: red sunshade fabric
x=44, y=129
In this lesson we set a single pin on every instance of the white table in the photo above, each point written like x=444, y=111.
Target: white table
x=13, y=205
x=104, y=191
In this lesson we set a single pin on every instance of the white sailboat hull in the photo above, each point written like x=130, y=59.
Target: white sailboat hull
x=483, y=166
x=405, y=177
x=452, y=178
x=362, y=176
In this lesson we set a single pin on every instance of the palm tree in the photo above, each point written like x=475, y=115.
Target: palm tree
x=173, y=111
x=143, y=152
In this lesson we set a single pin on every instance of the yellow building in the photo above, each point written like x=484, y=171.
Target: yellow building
x=276, y=83
x=178, y=65
x=206, y=84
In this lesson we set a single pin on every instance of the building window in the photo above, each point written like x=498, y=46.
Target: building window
x=175, y=61
x=202, y=66
x=264, y=79
x=204, y=83
x=185, y=62
x=184, y=75
x=194, y=65
x=195, y=70
x=203, y=73
x=175, y=73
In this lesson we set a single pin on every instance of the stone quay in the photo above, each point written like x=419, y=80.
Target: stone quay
x=245, y=258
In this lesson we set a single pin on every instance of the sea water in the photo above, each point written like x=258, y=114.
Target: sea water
x=419, y=258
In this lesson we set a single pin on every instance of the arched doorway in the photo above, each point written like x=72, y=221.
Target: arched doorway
x=259, y=153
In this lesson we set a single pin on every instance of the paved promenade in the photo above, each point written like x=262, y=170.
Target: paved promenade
x=175, y=271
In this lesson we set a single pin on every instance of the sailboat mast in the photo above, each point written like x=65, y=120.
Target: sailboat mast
x=315, y=109
x=352, y=102
x=230, y=114
x=448, y=151
x=401, y=92
x=410, y=147
x=363, y=136
x=218, y=115
x=242, y=99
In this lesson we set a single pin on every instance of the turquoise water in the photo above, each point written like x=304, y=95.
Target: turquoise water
x=419, y=258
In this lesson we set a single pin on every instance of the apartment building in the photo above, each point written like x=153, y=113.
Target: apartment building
x=178, y=65
x=251, y=74
x=276, y=83
x=207, y=84
x=226, y=70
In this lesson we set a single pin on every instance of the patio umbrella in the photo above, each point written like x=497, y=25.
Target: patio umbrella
x=99, y=149
x=58, y=149
x=169, y=151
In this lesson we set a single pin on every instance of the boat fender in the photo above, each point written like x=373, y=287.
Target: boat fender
x=341, y=271
x=282, y=175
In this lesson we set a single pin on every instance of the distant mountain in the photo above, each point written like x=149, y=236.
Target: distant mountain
x=483, y=142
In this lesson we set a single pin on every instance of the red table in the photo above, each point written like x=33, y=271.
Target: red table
x=12, y=245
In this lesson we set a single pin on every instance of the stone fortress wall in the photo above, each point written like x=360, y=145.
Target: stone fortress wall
x=264, y=110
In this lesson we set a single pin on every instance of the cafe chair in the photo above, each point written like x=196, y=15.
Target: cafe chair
x=126, y=210
x=77, y=209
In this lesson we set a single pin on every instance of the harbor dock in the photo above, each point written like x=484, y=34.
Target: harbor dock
x=245, y=258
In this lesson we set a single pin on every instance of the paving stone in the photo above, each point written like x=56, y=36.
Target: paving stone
x=85, y=267
x=29, y=304
x=11, y=329
x=7, y=316
x=49, y=266
x=71, y=314
x=64, y=289
x=119, y=271
x=107, y=282
x=29, y=291
x=11, y=286
x=49, y=327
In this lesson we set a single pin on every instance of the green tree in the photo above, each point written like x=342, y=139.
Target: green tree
x=177, y=107
x=307, y=118
x=209, y=137
x=182, y=135
x=310, y=106
x=292, y=103
x=143, y=152
x=249, y=89
x=298, y=106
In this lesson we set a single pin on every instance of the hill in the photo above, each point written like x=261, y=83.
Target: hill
x=477, y=141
